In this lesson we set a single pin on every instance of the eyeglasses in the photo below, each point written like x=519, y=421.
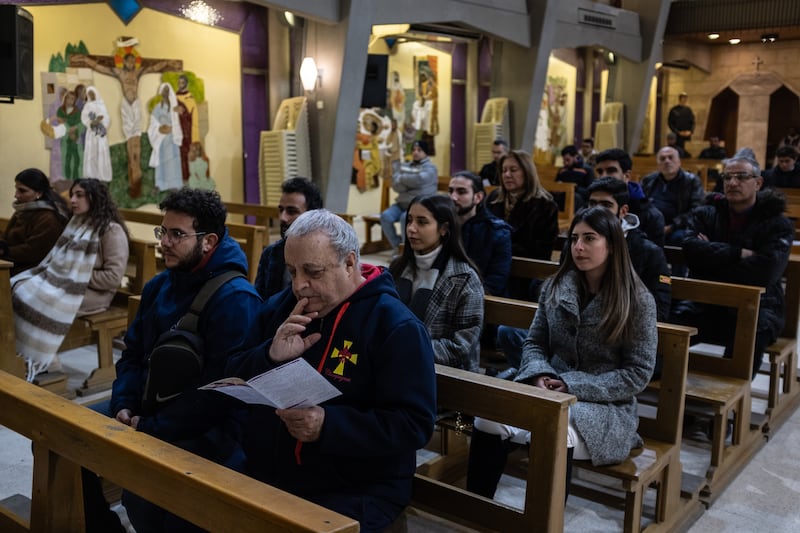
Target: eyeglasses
x=174, y=235
x=738, y=176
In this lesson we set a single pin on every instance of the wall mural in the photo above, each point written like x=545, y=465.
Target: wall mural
x=144, y=167
x=551, y=129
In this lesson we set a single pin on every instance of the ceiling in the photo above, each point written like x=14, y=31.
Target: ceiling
x=747, y=20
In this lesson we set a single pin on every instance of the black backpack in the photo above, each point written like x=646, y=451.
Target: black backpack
x=176, y=362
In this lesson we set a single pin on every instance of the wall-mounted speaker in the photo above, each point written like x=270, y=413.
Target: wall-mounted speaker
x=16, y=52
x=374, y=93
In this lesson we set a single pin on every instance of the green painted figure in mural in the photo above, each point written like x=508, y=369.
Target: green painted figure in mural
x=71, y=148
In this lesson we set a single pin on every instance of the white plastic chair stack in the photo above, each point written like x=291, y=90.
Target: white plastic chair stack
x=610, y=131
x=285, y=151
x=493, y=125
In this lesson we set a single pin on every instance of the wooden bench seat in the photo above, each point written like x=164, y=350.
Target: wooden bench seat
x=66, y=436
x=544, y=412
x=9, y=362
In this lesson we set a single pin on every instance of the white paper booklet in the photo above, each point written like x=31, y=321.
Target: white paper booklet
x=293, y=384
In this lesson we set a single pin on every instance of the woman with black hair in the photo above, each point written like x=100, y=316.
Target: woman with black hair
x=439, y=283
x=40, y=215
x=78, y=277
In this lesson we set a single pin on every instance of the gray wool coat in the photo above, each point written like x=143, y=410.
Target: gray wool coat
x=564, y=342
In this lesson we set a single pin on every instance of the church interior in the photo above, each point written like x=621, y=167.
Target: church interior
x=280, y=88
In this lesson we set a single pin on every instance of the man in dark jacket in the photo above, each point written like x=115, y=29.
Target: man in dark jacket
x=742, y=238
x=786, y=173
x=356, y=453
x=647, y=258
x=616, y=163
x=490, y=173
x=674, y=192
x=298, y=195
x=486, y=238
x=681, y=120
x=196, y=247
x=575, y=171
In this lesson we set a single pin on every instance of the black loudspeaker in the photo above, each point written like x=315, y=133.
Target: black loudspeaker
x=374, y=93
x=16, y=52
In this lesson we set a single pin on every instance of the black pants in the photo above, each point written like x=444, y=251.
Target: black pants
x=487, y=460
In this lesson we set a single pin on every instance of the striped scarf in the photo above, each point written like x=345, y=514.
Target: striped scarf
x=47, y=297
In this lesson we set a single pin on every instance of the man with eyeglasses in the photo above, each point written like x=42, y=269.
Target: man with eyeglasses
x=616, y=163
x=741, y=237
x=196, y=247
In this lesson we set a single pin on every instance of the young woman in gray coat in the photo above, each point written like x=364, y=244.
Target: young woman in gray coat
x=594, y=336
x=437, y=281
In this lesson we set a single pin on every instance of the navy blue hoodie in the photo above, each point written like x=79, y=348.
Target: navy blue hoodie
x=380, y=356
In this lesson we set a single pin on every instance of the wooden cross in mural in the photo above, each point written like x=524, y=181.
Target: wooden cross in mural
x=128, y=66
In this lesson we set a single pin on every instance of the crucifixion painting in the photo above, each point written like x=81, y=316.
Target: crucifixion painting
x=128, y=67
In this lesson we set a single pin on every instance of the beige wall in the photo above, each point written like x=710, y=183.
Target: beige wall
x=210, y=53
x=728, y=62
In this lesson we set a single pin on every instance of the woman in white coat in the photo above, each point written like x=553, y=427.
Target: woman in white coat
x=96, y=154
x=166, y=136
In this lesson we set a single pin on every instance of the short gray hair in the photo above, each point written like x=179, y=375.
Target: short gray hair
x=341, y=234
x=744, y=155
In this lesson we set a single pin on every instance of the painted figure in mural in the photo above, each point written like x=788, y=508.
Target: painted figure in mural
x=557, y=114
x=391, y=149
x=96, y=153
x=47, y=127
x=198, y=169
x=165, y=135
x=398, y=100
x=128, y=66
x=367, y=159
x=425, y=107
x=71, y=150
x=190, y=123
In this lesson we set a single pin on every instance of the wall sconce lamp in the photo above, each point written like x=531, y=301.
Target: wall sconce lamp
x=309, y=75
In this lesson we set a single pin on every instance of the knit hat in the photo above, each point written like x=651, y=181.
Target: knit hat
x=422, y=146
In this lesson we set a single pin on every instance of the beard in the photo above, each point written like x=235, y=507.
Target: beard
x=461, y=211
x=284, y=227
x=188, y=263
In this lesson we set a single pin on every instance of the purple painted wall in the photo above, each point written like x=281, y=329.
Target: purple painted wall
x=458, y=104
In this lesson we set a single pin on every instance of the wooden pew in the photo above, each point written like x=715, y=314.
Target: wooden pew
x=544, y=412
x=250, y=237
x=783, y=395
x=657, y=463
x=565, y=215
x=724, y=384
x=371, y=246
x=67, y=436
x=9, y=362
x=263, y=215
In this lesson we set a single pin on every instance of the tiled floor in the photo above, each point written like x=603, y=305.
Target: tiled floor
x=764, y=497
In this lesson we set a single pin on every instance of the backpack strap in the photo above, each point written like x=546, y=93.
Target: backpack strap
x=188, y=322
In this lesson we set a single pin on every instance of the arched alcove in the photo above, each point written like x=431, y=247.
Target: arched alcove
x=723, y=118
x=784, y=113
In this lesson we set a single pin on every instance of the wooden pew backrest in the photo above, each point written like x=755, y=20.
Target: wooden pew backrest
x=67, y=436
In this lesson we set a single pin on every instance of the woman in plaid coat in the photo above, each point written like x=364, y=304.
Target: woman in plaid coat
x=439, y=283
